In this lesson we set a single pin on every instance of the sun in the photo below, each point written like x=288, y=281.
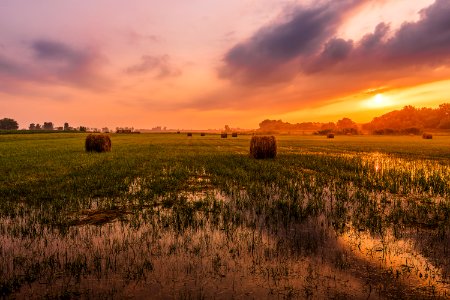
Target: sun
x=377, y=101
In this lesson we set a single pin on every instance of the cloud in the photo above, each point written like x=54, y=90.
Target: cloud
x=68, y=64
x=134, y=37
x=373, y=40
x=423, y=42
x=159, y=66
x=307, y=45
x=422, y=45
x=269, y=54
x=53, y=62
x=334, y=51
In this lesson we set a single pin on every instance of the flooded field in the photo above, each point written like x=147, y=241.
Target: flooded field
x=170, y=217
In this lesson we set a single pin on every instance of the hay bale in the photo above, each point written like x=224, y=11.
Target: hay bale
x=234, y=134
x=263, y=147
x=189, y=134
x=178, y=132
x=427, y=136
x=202, y=134
x=224, y=135
x=330, y=136
x=97, y=143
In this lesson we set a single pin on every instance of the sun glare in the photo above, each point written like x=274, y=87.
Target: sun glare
x=377, y=101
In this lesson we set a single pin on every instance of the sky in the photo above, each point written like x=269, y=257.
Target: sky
x=203, y=64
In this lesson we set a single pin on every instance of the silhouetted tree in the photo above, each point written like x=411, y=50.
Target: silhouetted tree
x=346, y=123
x=38, y=126
x=47, y=126
x=66, y=126
x=444, y=123
x=328, y=126
x=32, y=126
x=8, y=124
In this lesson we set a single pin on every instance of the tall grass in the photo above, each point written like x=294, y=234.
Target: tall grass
x=163, y=215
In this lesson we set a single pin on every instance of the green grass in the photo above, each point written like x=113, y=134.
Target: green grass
x=178, y=202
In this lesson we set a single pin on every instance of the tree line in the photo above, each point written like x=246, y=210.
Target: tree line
x=11, y=124
x=411, y=120
x=408, y=120
x=343, y=126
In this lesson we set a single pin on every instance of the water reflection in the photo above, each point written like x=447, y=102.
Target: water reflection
x=312, y=238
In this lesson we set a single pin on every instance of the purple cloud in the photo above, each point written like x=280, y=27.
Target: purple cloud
x=159, y=66
x=55, y=63
x=307, y=44
x=268, y=52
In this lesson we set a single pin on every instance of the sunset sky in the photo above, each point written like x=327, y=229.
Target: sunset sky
x=202, y=64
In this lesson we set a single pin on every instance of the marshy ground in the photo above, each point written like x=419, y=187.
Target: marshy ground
x=169, y=216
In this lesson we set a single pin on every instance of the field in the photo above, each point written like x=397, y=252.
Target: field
x=169, y=216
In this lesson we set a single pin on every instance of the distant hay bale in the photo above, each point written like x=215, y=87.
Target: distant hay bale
x=263, y=147
x=234, y=134
x=330, y=136
x=224, y=135
x=98, y=143
x=178, y=132
x=202, y=134
x=189, y=134
x=427, y=136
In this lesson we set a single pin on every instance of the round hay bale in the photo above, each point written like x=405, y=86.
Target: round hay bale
x=224, y=135
x=202, y=134
x=189, y=134
x=97, y=143
x=234, y=134
x=330, y=136
x=263, y=147
x=427, y=136
x=178, y=132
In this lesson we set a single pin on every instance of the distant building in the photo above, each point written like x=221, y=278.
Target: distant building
x=124, y=131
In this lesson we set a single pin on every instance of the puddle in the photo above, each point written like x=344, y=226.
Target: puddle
x=398, y=257
x=317, y=241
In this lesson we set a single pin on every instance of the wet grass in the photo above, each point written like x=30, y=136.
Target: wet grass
x=171, y=216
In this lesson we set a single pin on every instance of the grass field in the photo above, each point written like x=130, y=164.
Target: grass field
x=364, y=217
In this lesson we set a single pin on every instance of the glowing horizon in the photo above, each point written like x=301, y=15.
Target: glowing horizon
x=202, y=65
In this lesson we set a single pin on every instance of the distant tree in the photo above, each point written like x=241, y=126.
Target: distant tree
x=328, y=126
x=444, y=123
x=227, y=128
x=346, y=123
x=444, y=110
x=8, y=124
x=32, y=126
x=47, y=126
x=38, y=126
x=83, y=129
x=66, y=126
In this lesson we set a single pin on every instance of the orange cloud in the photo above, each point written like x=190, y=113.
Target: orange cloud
x=302, y=62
